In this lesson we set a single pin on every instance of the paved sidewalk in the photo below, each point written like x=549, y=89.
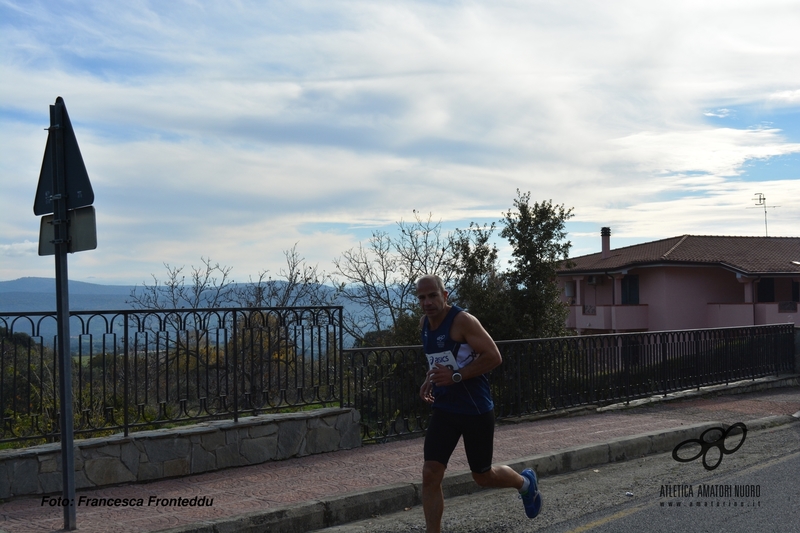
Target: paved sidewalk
x=255, y=494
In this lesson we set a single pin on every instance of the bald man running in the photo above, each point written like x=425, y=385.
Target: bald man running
x=460, y=354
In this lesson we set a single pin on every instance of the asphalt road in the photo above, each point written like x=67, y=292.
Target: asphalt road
x=634, y=497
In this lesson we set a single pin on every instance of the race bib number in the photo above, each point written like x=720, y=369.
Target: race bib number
x=443, y=358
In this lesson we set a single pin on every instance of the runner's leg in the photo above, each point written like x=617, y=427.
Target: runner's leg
x=440, y=441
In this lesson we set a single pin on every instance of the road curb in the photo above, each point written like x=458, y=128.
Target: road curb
x=354, y=506
x=772, y=421
x=620, y=449
x=731, y=388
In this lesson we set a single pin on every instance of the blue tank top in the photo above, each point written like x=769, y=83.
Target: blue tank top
x=471, y=396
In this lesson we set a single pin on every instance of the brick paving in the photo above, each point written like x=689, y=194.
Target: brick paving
x=248, y=489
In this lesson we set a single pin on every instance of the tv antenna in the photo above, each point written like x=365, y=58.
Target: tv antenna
x=761, y=200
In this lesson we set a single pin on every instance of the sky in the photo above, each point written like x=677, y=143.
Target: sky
x=235, y=130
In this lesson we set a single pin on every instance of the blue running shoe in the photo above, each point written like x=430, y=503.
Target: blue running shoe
x=532, y=500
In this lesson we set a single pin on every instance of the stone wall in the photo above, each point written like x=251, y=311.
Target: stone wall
x=163, y=453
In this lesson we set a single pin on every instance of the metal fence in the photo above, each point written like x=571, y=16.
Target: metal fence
x=148, y=369
x=544, y=375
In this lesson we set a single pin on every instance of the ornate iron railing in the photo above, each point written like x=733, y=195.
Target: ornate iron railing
x=146, y=369
x=135, y=369
x=544, y=375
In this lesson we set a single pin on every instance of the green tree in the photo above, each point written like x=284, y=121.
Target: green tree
x=537, y=236
x=479, y=285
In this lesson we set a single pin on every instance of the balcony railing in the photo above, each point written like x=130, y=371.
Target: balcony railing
x=608, y=317
x=748, y=314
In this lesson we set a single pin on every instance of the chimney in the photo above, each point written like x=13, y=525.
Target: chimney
x=605, y=237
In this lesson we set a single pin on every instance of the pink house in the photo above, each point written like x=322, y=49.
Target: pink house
x=686, y=282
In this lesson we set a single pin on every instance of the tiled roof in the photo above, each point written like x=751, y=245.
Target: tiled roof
x=748, y=255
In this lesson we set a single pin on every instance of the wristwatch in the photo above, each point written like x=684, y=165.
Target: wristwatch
x=456, y=377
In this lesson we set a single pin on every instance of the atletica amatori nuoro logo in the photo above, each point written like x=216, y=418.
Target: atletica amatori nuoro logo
x=718, y=440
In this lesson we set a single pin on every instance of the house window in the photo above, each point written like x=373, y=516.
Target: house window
x=569, y=291
x=630, y=290
x=766, y=290
x=796, y=291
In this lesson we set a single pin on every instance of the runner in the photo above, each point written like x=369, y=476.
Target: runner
x=460, y=353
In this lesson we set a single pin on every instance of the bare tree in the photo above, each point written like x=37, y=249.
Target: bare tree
x=187, y=344
x=378, y=280
x=298, y=284
x=209, y=285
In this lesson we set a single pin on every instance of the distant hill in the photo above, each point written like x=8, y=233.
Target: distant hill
x=39, y=294
x=26, y=295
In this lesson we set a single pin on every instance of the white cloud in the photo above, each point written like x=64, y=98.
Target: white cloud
x=17, y=249
x=238, y=129
x=786, y=97
x=717, y=151
x=719, y=113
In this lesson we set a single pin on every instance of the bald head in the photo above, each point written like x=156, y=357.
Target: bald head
x=431, y=278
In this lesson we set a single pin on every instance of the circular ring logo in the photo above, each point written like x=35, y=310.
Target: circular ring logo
x=719, y=441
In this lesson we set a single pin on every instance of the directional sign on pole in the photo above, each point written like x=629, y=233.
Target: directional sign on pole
x=64, y=188
x=79, y=191
x=82, y=232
